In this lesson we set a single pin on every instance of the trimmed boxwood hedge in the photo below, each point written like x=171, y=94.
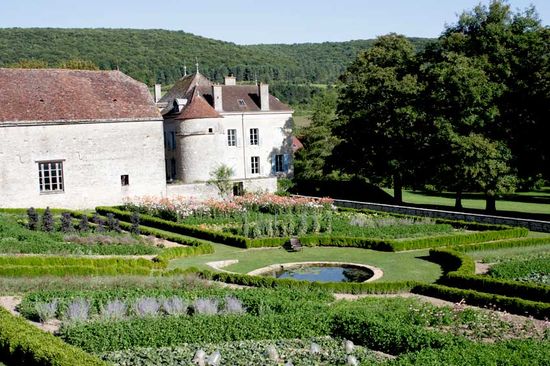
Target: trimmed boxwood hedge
x=338, y=287
x=501, y=244
x=181, y=252
x=514, y=305
x=459, y=272
x=23, y=344
x=503, y=232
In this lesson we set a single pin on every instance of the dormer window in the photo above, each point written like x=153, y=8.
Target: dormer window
x=241, y=102
x=179, y=104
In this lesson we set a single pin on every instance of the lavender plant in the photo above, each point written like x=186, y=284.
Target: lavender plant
x=114, y=310
x=83, y=225
x=78, y=310
x=174, y=306
x=146, y=306
x=206, y=306
x=46, y=310
x=233, y=306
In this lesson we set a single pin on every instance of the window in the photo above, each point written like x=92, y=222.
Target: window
x=210, y=130
x=238, y=189
x=124, y=180
x=254, y=139
x=170, y=169
x=232, y=137
x=255, y=165
x=241, y=102
x=279, y=164
x=173, y=168
x=51, y=176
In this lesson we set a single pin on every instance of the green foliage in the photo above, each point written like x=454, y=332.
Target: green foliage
x=23, y=344
x=245, y=353
x=501, y=244
x=514, y=305
x=182, y=252
x=221, y=179
x=78, y=64
x=534, y=268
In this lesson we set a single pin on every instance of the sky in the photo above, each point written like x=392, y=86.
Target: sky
x=251, y=22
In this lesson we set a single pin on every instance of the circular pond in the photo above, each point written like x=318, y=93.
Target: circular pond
x=321, y=272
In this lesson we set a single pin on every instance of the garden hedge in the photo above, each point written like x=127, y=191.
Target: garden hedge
x=376, y=244
x=514, y=305
x=23, y=344
x=501, y=244
x=337, y=287
x=182, y=252
x=459, y=272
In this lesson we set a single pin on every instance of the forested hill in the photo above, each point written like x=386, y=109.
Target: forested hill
x=159, y=55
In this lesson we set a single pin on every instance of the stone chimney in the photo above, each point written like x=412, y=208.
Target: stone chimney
x=230, y=80
x=158, y=92
x=263, y=92
x=217, y=96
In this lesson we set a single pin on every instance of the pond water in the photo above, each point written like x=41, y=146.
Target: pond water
x=325, y=273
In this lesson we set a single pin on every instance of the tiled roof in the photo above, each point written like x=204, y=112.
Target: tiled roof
x=248, y=94
x=296, y=144
x=197, y=107
x=72, y=95
x=183, y=88
x=235, y=98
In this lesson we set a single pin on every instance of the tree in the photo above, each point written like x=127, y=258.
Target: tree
x=221, y=179
x=475, y=163
x=29, y=64
x=460, y=99
x=78, y=64
x=318, y=138
x=381, y=128
x=515, y=47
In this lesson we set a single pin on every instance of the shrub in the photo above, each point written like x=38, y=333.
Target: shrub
x=174, y=306
x=47, y=221
x=23, y=344
x=84, y=225
x=78, y=310
x=33, y=219
x=511, y=304
x=134, y=229
x=233, y=306
x=205, y=306
x=146, y=306
x=46, y=310
x=114, y=310
x=66, y=222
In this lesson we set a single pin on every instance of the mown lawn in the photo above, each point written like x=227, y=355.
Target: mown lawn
x=396, y=266
x=536, y=202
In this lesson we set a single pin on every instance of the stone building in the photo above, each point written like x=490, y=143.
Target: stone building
x=241, y=126
x=77, y=139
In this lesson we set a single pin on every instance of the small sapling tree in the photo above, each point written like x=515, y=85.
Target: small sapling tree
x=221, y=179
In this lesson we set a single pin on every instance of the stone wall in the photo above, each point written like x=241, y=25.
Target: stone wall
x=94, y=156
x=201, y=191
x=533, y=225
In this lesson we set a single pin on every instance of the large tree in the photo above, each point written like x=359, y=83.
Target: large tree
x=381, y=130
x=516, y=48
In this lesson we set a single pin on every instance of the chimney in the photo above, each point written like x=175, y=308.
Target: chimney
x=158, y=92
x=230, y=80
x=263, y=92
x=217, y=96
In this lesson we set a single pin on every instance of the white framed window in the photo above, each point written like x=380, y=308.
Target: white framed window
x=255, y=165
x=254, y=136
x=170, y=140
x=231, y=137
x=279, y=163
x=50, y=175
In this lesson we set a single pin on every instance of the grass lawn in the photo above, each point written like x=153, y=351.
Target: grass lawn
x=396, y=266
x=536, y=202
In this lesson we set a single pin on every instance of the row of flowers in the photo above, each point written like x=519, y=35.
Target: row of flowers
x=176, y=208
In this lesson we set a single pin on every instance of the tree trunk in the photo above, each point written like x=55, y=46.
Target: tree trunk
x=458, y=200
x=397, y=188
x=491, y=203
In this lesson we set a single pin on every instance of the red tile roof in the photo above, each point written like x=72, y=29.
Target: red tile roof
x=197, y=107
x=73, y=95
x=231, y=94
x=296, y=144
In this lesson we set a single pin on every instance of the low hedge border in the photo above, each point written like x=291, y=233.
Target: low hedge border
x=513, y=305
x=60, y=270
x=377, y=244
x=23, y=344
x=459, y=272
x=502, y=244
x=335, y=287
x=182, y=252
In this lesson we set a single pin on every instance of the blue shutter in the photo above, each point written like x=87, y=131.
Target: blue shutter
x=286, y=162
x=274, y=164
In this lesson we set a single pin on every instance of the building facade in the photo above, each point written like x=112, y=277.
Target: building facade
x=239, y=126
x=77, y=139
